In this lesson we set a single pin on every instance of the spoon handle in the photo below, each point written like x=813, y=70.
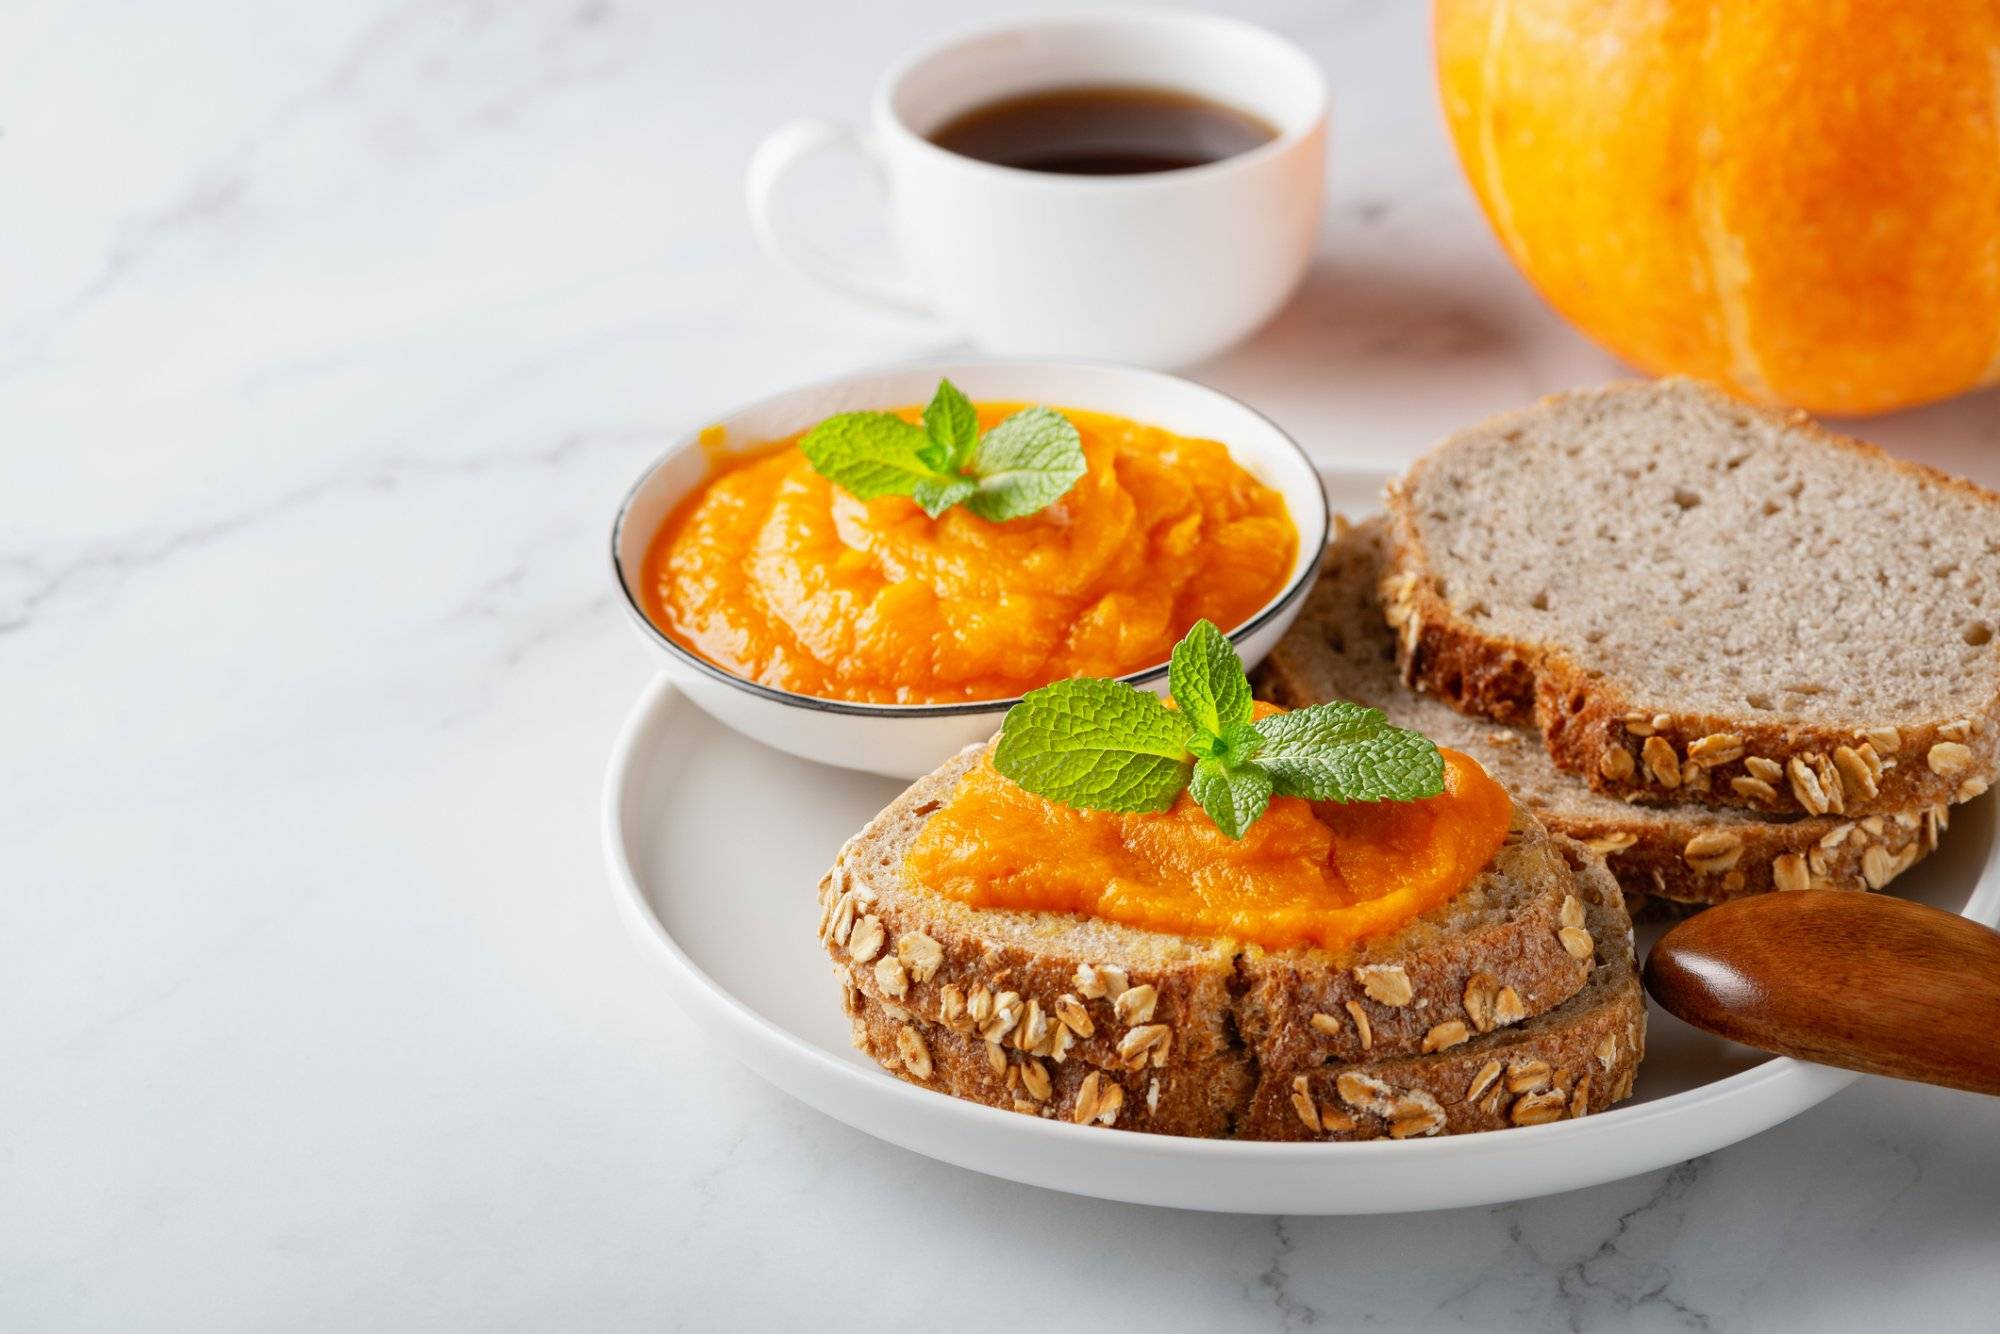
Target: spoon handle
x=1861, y=981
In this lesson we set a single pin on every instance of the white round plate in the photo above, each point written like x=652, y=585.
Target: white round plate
x=716, y=845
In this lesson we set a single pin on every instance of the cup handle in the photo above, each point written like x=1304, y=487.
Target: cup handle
x=783, y=148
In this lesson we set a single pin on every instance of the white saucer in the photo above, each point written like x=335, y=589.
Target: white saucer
x=716, y=844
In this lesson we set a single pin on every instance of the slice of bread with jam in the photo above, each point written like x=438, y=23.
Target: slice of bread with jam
x=1341, y=648
x=1091, y=1021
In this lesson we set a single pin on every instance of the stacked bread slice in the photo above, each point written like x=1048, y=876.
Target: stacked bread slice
x=1690, y=605
x=1341, y=647
x=1514, y=1003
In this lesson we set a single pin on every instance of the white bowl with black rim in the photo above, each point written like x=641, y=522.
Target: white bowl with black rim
x=908, y=740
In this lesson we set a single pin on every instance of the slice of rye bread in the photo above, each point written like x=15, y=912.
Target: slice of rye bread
x=1341, y=648
x=1698, y=600
x=1059, y=985
x=1039, y=992
x=1578, y=1058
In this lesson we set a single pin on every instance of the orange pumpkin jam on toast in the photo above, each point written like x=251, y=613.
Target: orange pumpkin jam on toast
x=1307, y=873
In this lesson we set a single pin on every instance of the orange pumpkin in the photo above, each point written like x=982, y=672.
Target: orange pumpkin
x=1797, y=199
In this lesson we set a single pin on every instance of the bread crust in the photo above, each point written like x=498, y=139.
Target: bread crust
x=1756, y=857
x=1203, y=1103
x=1631, y=749
x=1592, y=730
x=1577, y=1059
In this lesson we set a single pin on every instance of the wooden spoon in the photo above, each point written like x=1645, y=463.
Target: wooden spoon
x=1861, y=981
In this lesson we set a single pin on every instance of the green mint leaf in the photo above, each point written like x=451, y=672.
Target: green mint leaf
x=938, y=494
x=1020, y=466
x=1024, y=464
x=1240, y=742
x=1343, y=752
x=935, y=457
x=1207, y=679
x=952, y=425
x=869, y=454
x=1332, y=724
x=1233, y=796
x=1103, y=745
x=1096, y=745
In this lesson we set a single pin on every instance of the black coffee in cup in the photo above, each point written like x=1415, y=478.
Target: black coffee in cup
x=1103, y=131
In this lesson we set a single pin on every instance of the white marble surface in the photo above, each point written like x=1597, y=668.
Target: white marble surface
x=330, y=335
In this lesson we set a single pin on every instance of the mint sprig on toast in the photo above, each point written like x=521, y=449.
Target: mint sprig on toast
x=1107, y=746
x=1024, y=464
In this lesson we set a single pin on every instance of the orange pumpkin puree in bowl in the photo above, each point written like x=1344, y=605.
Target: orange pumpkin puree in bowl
x=1307, y=873
x=776, y=575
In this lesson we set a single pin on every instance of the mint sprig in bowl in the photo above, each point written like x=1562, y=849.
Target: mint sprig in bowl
x=908, y=740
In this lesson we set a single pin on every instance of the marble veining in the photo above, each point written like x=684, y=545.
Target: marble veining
x=331, y=337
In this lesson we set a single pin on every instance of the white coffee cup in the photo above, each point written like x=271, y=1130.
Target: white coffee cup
x=1159, y=269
